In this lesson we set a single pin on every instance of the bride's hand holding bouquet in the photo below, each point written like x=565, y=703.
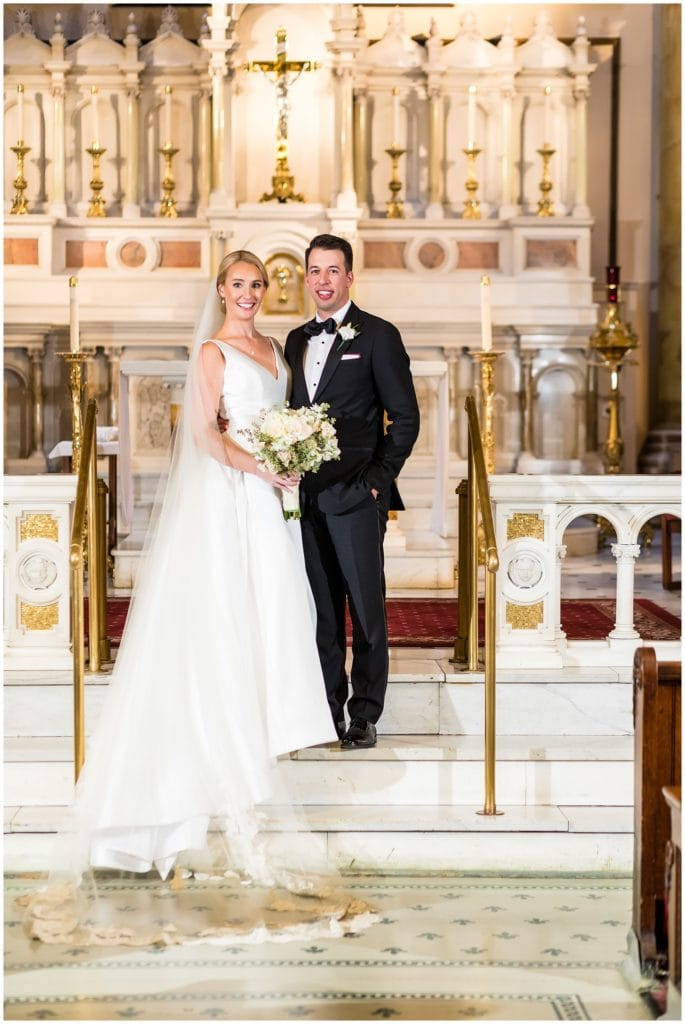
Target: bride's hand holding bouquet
x=288, y=442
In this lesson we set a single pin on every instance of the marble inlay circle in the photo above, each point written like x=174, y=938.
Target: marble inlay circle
x=431, y=255
x=132, y=254
x=37, y=572
x=525, y=570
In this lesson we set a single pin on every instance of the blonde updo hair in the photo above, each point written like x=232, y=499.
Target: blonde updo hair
x=240, y=256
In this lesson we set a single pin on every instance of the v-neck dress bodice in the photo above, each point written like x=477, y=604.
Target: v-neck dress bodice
x=249, y=387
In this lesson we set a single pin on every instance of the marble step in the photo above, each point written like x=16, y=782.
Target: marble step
x=378, y=837
x=425, y=696
x=415, y=559
x=432, y=771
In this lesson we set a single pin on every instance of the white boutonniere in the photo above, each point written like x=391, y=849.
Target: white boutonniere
x=347, y=332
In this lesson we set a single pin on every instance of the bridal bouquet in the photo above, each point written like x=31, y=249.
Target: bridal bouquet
x=286, y=440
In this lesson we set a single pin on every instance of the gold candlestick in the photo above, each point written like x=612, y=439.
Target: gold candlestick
x=75, y=361
x=168, y=205
x=487, y=379
x=612, y=341
x=395, y=206
x=545, y=204
x=471, y=204
x=96, y=206
x=19, y=203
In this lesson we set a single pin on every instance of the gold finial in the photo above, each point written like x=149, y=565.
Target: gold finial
x=20, y=87
x=548, y=90
x=93, y=90
x=168, y=90
x=73, y=281
x=485, y=279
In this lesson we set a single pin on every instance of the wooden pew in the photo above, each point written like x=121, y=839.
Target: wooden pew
x=656, y=717
x=674, y=863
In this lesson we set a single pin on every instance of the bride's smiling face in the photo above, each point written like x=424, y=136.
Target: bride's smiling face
x=243, y=291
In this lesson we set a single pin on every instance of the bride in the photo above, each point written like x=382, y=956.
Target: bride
x=218, y=674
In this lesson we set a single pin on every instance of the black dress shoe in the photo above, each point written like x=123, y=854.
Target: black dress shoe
x=340, y=728
x=360, y=734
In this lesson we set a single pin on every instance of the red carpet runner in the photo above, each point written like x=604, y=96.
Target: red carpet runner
x=432, y=622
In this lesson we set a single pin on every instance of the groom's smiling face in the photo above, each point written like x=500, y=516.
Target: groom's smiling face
x=328, y=280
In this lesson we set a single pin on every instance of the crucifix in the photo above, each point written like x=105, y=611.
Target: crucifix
x=282, y=180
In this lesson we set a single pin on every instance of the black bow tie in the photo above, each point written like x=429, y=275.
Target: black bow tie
x=316, y=327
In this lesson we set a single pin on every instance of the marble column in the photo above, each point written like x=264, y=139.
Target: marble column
x=559, y=633
x=58, y=201
x=527, y=403
x=36, y=357
x=361, y=127
x=205, y=149
x=131, y=203
x=508, y=207
x=625, y=555
x=346, y=196
x=220, y=45
x=113, y=356
x=436, y=190
x=580, y=205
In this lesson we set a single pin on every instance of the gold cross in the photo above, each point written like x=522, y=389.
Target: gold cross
x=282, y=181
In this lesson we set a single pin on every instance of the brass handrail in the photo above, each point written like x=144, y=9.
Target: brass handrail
x=86, y=504
x=474, y=494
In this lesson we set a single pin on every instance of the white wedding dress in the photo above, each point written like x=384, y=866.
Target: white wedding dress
x=218, y=674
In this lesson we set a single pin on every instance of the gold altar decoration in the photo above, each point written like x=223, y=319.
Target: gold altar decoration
x=612, y=341
x=35, y=617
x=545, y=204
x=525, y=616
x=282, y=181
x=168, y=203
x=38, y=525
x=471, y=204
x=285, y=293
x=487, y=377
x=525, y=524
x=19, y=202
x=96, y=205
x=394, y=205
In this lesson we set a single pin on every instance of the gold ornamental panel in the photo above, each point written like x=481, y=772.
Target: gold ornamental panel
x=39, y=616
x=525, y=524
x=285, y=293
x=525, y=616
x=38, y=524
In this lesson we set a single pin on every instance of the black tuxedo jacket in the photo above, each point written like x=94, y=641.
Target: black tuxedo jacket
x=363, y=378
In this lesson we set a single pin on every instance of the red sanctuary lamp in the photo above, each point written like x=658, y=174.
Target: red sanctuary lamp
x=612, y=341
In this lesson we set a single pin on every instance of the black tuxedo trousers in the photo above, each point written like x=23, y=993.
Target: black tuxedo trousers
x=365, y=379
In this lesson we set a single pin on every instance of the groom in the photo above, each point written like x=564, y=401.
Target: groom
x=357, y=363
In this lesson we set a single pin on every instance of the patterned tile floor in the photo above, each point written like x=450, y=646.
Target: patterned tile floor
x=446, y=948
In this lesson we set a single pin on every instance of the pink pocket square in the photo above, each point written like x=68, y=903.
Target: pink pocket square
x=352, y=355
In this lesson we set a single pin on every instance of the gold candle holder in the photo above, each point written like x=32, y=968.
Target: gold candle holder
x=19, y=203
x=545, y=204
x=96, y=206
x=168, y=204
x=75, y=361
x=395, y=206
x=612, y=341
x=487, y=383
x=471, y=204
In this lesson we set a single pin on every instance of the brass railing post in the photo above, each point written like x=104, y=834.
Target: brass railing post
x=472, y=495
x=101, y=575
x=79, y=654
x=460, y=656
x=93, y=560
x=489, y=806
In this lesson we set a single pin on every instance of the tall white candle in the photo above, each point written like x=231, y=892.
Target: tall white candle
x=94, y=112
x=74, y=342
x=546, y=114
x=396, y=117
x=485, y=314
x=167, y=115
x=20, y=111
x=471, y=119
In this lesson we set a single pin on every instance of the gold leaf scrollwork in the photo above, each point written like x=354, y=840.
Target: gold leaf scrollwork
x=38, y=524
x=525, y=524
x=39, y=616
x=525, y=616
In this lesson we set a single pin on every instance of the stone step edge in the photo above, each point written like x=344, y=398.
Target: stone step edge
x=445, y=747
x=381, y=819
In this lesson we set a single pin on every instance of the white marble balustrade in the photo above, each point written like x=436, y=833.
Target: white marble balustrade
x=531, y=516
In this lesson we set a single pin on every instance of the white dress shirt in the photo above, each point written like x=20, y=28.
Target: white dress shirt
x=318, y=349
